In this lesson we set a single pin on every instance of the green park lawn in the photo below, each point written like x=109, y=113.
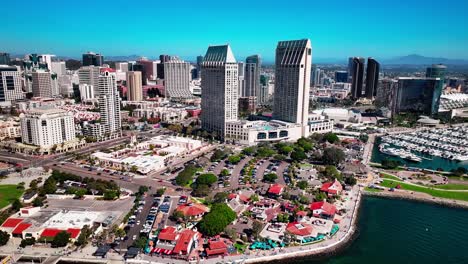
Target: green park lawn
x=372, y=190
x=434, y=192
x=452, y=186
x=8, y=193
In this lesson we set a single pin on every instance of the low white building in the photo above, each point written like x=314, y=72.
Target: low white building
x=9, y=129
x=340, y=115
x=319, y=124
x=253, y=132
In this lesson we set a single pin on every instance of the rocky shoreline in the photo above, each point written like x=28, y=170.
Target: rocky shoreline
x=408, y=196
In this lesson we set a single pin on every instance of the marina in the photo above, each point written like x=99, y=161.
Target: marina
x=441, y=148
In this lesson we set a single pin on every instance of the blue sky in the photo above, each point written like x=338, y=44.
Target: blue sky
x=337, y=29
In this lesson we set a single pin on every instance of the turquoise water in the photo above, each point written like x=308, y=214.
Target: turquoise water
x=433, y=164
x=397, y=231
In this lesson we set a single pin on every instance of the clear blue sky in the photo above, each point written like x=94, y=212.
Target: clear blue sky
x=337, y=28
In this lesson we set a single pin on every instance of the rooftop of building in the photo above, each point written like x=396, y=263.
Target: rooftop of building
x=220, y=53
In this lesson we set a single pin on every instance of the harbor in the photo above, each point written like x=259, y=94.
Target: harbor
x=436, y=149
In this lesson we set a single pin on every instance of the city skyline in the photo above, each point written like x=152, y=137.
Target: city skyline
x=332, y=30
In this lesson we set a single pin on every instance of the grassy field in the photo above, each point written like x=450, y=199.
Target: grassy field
x=8, y=193
x=461, y=178
x=371, y=189
x=452, y=186
x=388, y=176
x=436, y=193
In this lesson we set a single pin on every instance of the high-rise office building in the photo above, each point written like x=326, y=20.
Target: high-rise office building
x=90, y=75
x=134, y=86
x=341, y=76
x=417, y=95
x=177, y=79
x=372, y=78
x=437, y=71
x=292, y=84
x=317, y=74
x=356, y=73
x=44, y=83
x=91, y=58
x=386, y=93
x=10, y=84
x=109, y=102
x=47, y=59
x=58, y=67
x=252, y=76
x=47, y=127
x=147, y=72
x=199, y=63
x=121, y=66
x=4, y=58
x=241, y=71
x=219, y=89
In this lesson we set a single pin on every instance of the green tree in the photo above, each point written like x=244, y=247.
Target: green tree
x=333, y=156
x=4, y=237
x=61, y=239
x=231, y=233
x=249, y=151
x=254, y=198
x=270, y=177
x=160, y=192
x=38, y=201
x=185, y=177
x=305, y=143
x=134, y=169
x=320, y=196
x=332, y=173
x=201, y=190
x=264, y=152
x=350, y=180
x=286, y=149
x=27, y=242
x=364, y=138
x=224, y=172
x=207, y=179
x=50, y=186
x=331, y=138
x=279, y=157
x=214, y=222
x=80, y=193
x=257, y=227
x=82, y=239
x=298, y=155
x=283, y=218
x=140, y=242
x=303, y=185
x=220, y=197
x=16, y=205
x=110, y=195
x=234, y=159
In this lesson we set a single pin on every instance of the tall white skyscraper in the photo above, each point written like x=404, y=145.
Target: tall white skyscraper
x=47, y=58
x=134, y=86
x=219, y=89
x=240, y=73
x=121, y=66
x=252, y=76
x=44, y=83
x=177, y=79
x=109, y=102
x=292, y=84
x=10, y=84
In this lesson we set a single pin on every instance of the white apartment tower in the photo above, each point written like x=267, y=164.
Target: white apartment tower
x=10, y=84
x=177, y=79
x=134, y=85
x=44, y=83
x=47, y=127
x=59, y=68
x=292, y=84
x=109, y=102
x=220, y=86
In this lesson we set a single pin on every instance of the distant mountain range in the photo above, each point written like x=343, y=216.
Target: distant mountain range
x=415, y=59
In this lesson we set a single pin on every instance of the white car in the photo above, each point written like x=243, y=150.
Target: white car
x=134, y=237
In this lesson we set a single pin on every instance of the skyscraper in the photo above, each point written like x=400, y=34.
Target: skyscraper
x=4, y=58
x=10, y=84
x=121, y=66
x=437, y=71
x=199, y=63
x=293, y=66
x=90, y=75
x=177, y=79
x=341, y=76
x=417, y=95
x=58, y=67
x=252, y=76
x=372, y=77
x=109, y=102
x=316, y=76
x=219, y=89
x=134, y=86
x=240, y=72
x=356, y=68
x=44, y=83
x=91, y=58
